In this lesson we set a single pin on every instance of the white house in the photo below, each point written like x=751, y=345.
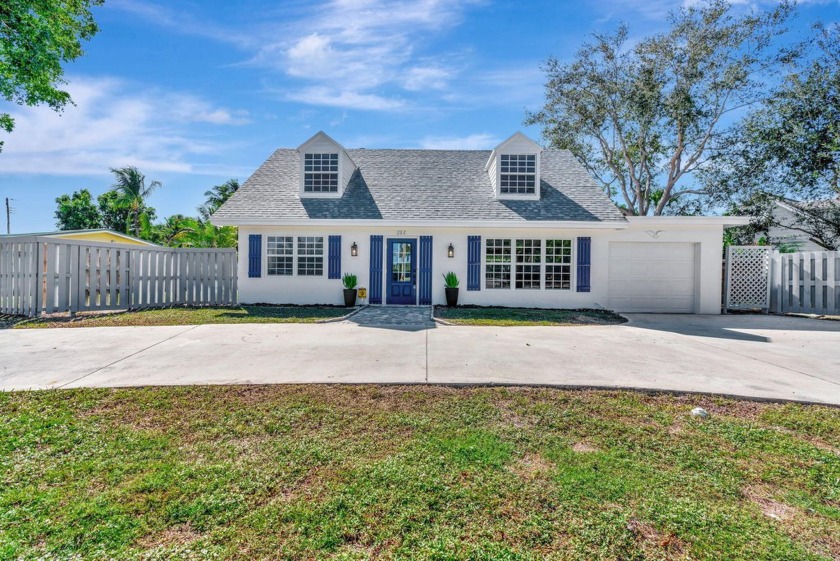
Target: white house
x=788, y=225
x=519, y=225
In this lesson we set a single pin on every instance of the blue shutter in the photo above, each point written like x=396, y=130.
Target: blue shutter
x=255, y=255
x=474, y=263
x=584, y=259
x=334, y=269
x=425, y=270
x=376, y=269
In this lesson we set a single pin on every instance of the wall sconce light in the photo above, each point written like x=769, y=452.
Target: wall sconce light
x=354, y=250
x=451, y=251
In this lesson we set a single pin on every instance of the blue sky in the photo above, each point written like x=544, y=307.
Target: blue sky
x=194, y=93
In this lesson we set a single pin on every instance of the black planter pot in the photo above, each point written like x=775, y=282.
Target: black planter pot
x=349, y=297
x=451, y=297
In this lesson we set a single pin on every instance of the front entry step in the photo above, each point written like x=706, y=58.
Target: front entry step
x=403, y=316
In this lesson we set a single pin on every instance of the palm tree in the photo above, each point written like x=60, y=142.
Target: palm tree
x=217, y=196
x=168, y=232
x=131, y=187
x=198, y=233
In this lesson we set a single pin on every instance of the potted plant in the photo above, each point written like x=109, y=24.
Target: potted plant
x=350, y=282
x=451, y=281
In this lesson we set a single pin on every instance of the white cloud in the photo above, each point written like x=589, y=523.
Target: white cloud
x=481, y=141
x=370, y=55
x=426, y=77
x=334, y=97
x=112, y=126
x=356, y=49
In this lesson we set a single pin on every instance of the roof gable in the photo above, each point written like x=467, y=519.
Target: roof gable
x=516, y=143
x=319, y=139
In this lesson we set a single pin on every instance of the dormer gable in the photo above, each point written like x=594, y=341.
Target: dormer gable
x=514, y=168
x=325, y=167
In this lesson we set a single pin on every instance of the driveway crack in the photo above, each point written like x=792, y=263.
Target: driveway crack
x=101, y=368
x=427, y=356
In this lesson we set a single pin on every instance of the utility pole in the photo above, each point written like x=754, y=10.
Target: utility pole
x=8, y=217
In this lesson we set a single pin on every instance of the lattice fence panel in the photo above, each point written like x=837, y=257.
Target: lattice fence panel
x=748, y=277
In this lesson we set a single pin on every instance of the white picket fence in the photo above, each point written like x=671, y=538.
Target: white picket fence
x=806, y=282
x=758, y=277
x=48, y=275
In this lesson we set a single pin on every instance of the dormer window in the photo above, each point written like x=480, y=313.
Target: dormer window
x=517, y=174
x=325, y=168
x=514, y=169
x=320, y=173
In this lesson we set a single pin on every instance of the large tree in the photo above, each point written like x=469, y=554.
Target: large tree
x=199, y=233
x=643, y=115
x=216, y=197
x=77, y=212
x=167, y=232
x=789, y=148
x=130, y=186
x=36, y=38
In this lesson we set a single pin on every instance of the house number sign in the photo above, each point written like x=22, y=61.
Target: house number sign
x=402, y=232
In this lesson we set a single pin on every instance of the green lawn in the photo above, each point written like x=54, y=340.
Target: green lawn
x=499, y=316
x=429, y=473
x=196, y=316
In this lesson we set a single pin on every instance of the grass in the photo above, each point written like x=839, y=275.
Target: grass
x=194, y=316
x=428, y=473
x=499, y=316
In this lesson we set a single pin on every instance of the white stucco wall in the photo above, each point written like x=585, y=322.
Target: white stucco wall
x=321, y=290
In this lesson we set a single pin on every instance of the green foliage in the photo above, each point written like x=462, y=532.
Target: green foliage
x=349, y=281
x=35, y=39
x=517, y=317
x=450, y=280
x=114, y=214
x=216, y=197
x=194, y=316
x=332, y=472
x=130, y=186
x=789, y=147
x=194, y=232
x=77, y=212
x=643, y=115
x=123, y=209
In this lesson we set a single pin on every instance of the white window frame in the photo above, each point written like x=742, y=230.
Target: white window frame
x=290, y=255
x=509, y=263
x=571, y=263
x=517, y=161
x=337, y=172
x=535, y=262
x=299, y=241
x=535, y=196
x=542, y=263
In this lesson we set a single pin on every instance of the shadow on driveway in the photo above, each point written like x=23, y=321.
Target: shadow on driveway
x=737, y=327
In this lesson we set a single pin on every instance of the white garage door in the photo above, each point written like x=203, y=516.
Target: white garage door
x=651, y=277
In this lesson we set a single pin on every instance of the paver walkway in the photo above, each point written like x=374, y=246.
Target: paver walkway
x=394, y=316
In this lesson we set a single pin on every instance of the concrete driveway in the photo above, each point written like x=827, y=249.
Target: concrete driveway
x=744, y=355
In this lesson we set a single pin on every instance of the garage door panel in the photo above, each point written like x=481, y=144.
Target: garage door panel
x=651, y=277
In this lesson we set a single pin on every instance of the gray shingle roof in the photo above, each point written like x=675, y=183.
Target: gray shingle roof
x=406, y=185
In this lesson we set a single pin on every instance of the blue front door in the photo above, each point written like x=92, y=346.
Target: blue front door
x=401, y=282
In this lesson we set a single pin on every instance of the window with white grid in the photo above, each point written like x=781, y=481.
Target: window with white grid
x=518, y=174
x=528, y=263
x=310, y=255
x=558, y=264
x=497, y=263
x=280, y=254
x=320, y=173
